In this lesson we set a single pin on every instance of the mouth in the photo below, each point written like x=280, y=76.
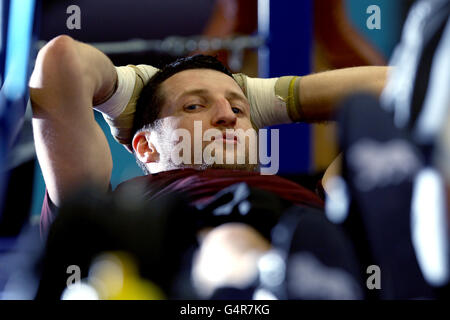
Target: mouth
x=227, y=138
x=230, y=138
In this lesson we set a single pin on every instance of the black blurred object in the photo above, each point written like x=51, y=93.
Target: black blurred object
x=417, y=88
x=160, y=234
x=242, y=203
x=303, y=234
x=313, y=259
x=231, y=293
x=20, y=166
x=417, y=95
x=379, y=164
x=157, y=234
x=16, y=209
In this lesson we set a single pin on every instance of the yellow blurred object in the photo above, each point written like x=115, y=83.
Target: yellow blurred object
x=115, y=276
x=324, y=145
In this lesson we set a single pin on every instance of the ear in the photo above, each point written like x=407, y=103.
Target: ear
x=143, y=148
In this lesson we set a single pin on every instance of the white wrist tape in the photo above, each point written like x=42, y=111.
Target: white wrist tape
x=146, y=72
x=272, y=101
x=126, y=80
x=118, y=111
x=267, y=108
x=114, y=106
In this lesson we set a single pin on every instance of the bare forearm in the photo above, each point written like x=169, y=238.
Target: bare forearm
x=321, y=93
x=101, y=70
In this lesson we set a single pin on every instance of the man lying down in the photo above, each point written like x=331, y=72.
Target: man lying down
x=194, y=129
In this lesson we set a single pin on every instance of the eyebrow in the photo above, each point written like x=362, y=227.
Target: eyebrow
x=203, y=92
x=193, y=92
x=235, y=95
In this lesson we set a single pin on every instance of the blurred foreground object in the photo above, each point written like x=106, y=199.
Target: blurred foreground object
x=155, y=236
x=392, y=170
x=114, y=276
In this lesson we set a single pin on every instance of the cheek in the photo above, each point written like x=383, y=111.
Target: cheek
x=168, y=130
x=189, y=126
x=244, y=124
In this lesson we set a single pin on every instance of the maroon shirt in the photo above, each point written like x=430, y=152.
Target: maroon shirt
x=202, y=185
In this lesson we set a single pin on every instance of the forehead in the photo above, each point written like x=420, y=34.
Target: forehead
x=207, y=79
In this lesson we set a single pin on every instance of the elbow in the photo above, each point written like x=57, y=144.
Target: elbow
x=57, y=67
x=55, y=58
x=56, y=51
x=58, y=46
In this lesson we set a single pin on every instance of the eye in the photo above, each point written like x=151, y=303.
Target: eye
x=236, y=110
x=192, y=107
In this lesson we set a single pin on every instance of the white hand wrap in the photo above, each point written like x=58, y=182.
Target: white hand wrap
x=273, y=101
x=113, y=107
x=118, y=110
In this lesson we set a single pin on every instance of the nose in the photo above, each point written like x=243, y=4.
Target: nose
x=223, y=114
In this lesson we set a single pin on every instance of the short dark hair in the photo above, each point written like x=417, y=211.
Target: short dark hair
x=150, y=101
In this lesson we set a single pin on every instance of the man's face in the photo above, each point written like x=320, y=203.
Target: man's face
x=216, y=101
